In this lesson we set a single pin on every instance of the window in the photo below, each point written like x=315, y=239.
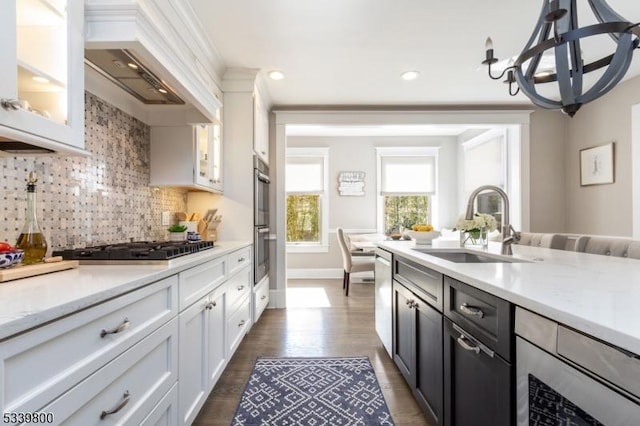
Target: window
x=307, y=199
x=407, y=182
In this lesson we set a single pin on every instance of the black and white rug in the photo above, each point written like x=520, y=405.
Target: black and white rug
x=314, y=392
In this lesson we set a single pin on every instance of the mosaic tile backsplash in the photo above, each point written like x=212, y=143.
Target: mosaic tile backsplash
x=86, y=201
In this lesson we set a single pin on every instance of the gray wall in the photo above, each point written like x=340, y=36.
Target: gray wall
x=602, y=209
x=358, y=154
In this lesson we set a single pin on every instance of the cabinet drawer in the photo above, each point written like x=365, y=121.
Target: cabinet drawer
x=200, y=280
x=238, y=287
x=423, y=281
x=238, y=325
x=135, y=382
x=487, y=317
x=260, y=299
x=78, y=346
x=165, y=413
x=239, y=259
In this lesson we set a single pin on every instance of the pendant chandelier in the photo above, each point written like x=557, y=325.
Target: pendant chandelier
x=557, y=32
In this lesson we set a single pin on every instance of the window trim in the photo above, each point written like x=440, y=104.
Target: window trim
x=323, y=245
x=425, y=151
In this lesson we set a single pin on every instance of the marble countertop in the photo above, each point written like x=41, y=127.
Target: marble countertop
x=29, y=302
x=598, y=295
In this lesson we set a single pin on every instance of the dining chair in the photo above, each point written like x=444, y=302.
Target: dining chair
x=351, y=265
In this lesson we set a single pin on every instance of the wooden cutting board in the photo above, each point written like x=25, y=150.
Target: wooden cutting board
x=26, y=271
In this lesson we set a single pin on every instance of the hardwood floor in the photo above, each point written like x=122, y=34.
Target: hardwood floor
x=320, y=321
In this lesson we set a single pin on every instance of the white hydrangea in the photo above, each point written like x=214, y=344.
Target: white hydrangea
x=479, y=221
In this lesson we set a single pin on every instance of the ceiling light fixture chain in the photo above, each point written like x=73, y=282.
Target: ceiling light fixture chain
x=557, y=31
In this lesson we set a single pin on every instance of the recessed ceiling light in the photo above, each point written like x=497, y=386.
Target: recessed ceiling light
x=40, y=79
x=161, y=90
x=276, y=75
x=410, y=75
x=132, y=66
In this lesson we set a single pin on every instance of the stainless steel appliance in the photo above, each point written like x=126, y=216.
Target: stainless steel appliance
x=567, y=378
x=261, y=183
x=384, y=298
x=134, y=253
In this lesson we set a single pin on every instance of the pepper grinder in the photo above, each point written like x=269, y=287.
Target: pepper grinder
x=31, y=240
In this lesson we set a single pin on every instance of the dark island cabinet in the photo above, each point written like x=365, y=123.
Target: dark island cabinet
x=417, y=349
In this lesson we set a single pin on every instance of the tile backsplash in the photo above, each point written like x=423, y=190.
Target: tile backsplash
x=101, y=199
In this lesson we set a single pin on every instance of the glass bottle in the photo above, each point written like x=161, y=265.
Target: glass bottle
x=32, y=240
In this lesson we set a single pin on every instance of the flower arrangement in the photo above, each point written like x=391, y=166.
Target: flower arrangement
x=480, y=221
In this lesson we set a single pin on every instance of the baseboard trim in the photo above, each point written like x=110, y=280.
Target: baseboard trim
x=326, y=273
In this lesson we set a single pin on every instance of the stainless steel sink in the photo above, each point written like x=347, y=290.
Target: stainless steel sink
x=459, y=256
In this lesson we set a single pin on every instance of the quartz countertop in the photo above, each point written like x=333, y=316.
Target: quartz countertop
x=598, y=295
x=30, y=302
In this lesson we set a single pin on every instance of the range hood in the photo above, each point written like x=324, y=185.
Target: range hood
x=156, y=52
x=127, y=72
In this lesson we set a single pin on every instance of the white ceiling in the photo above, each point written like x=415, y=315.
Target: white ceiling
x=352, y=52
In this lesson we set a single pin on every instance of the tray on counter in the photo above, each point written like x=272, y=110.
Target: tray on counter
x=26, y=271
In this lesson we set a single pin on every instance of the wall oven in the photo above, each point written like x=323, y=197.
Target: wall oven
x=261, y=183
x=567, y=378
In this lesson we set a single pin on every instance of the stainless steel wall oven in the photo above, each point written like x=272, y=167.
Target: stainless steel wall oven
x=261, y=183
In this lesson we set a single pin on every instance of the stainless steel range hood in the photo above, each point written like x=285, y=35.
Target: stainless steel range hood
x=130, y=74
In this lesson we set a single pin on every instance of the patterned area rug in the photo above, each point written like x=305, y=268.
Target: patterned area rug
x=314, y=392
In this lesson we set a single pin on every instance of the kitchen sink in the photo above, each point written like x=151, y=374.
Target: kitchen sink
x=459, y=256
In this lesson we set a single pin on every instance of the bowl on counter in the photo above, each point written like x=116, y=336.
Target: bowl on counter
x=10, y=258
x=423, y=237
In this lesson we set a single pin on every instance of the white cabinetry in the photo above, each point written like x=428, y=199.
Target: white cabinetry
x=202, y=352
x=260, y=128
x=187, y=156
x=42, y=84
x=31, y=363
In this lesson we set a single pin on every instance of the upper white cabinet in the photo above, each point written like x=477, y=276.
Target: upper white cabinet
x=42, y=84
x=260, y=128
x=187, y=156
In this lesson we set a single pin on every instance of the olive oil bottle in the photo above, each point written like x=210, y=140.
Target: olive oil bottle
x=31, y=240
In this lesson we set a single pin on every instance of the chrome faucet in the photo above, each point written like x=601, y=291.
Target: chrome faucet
x=509, y=235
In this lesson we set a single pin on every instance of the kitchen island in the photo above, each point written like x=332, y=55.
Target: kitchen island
x=595, y=294
x=538, y=337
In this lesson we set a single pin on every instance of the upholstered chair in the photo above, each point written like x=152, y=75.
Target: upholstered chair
x=351, y=264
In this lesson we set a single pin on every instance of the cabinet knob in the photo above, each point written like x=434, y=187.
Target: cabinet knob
x=241, y=323
x=263, y=297
x=125, y=324
x=120, y=406
x=471, y=311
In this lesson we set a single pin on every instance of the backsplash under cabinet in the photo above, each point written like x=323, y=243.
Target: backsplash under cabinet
x=104, y=198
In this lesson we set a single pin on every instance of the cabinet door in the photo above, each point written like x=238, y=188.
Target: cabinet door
x=216, y=154
x=216, y=345
x=428, y=369
x=203, y=137
x=478, y=383
x=260, y=128
x=193, y=383
x=42, y=88
x=403, y=332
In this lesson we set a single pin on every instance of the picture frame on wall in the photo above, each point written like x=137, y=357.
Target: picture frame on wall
x=597, y=165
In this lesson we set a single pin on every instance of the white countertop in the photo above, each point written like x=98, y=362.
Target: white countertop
x=29, y=302
x=598, y=295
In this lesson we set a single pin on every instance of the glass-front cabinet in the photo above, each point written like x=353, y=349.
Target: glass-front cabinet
x=42, y=84
x=208, y=139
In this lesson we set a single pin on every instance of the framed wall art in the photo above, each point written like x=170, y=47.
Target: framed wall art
x=597, y=165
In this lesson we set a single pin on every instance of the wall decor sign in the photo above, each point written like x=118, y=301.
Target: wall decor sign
x=351, y=184
x=596, y=165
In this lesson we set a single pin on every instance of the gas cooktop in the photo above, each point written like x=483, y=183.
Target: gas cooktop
x=140, y=252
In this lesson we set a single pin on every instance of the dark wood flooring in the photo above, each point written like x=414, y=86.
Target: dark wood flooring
x=319, y=321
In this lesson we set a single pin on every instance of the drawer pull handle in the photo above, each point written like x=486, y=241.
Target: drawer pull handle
x=125, y=401
x=241, y=259
x=467, y=346
x=409, y=303
x=125, y=324
x=241, y=323
x=469, y=310
x=263, y=297
x=240, y=287
x=209, y=306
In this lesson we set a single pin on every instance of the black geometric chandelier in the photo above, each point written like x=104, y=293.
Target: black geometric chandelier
x=557, y=29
